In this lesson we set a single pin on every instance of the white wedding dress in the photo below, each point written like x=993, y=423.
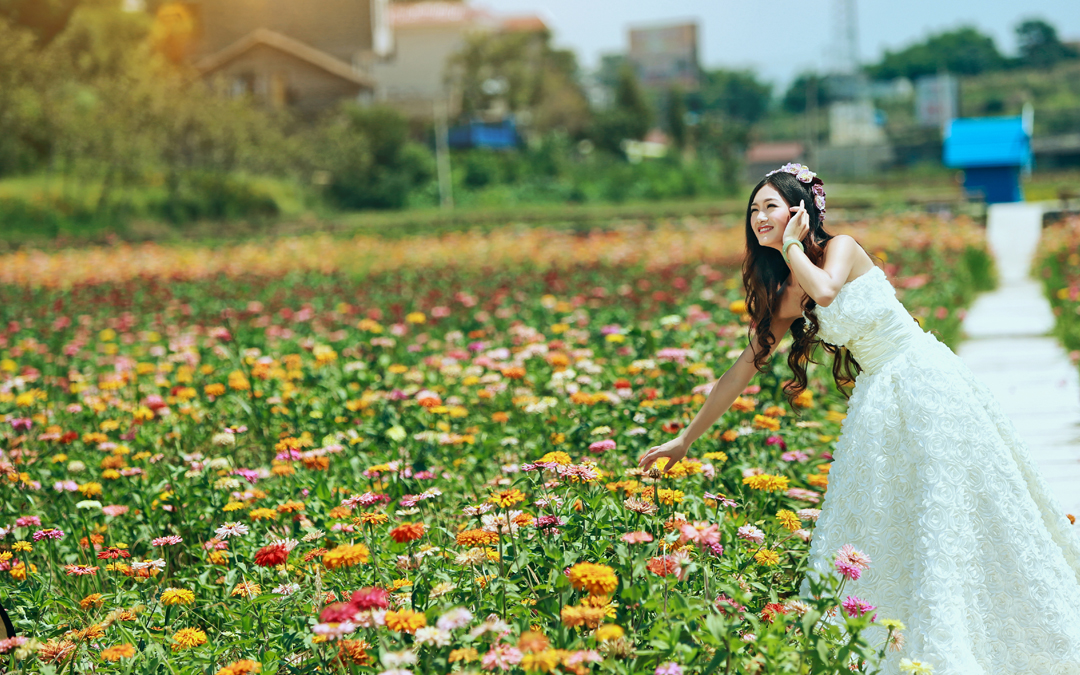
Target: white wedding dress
x=970, y=549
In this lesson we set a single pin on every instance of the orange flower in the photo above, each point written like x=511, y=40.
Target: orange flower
x=242, y=667
x=405, y=621
x=117, y=652
x=500, y=417
x=473, y=538
x=407, y=532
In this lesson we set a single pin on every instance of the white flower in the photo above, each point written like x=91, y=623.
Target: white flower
x=334, y=631
x=231, y=530
x=455, y=618
x=396, y=659
x=915, y=667
x=432, y=635
x=286, y=589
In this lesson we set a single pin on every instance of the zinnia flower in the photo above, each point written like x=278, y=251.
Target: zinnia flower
x=856, y=607
x=168, y=540
x=273, y=555
x=852, y=556
x=117, y=652
x=637, y=537
x=177, y=596
x=751, y=533
x=596, y=579
x=186, y=638
x=405, y=620
x=407, y=532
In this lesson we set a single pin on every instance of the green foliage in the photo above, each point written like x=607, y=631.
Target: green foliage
x=736, y=94
x=676, y=117
x=520, y=72
x=964, y=51
x=806, y=85
x=372, y=163
x=1039, y=45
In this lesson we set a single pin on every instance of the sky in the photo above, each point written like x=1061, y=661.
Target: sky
x=781, y=38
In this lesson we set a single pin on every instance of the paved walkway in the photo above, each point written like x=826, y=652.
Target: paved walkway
x=1008, y=348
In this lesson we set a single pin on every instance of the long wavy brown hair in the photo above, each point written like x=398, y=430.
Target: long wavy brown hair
x=766, y=275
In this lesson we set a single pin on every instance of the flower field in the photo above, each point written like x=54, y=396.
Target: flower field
x=1058, y=261
x=419, y=456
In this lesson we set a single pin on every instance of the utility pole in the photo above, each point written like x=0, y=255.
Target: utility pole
x=442, y=154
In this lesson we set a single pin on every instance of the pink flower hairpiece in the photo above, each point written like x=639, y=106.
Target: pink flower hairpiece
x=805, y=175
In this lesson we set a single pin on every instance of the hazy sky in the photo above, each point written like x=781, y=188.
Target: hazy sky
x=779, y=38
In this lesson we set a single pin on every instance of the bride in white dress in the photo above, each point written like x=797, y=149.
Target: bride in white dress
x=970, y=548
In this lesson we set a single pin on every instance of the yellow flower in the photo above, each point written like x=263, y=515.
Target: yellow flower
x=805, y=399
x=233, y=506
x=262, y=514
x=716, y=456
x=766, y=482
x=22, y=547
x=467, y=655
x=188, y=637
x=346, y=555
x=92, y=600
x=596, y=579
x=670, y=497
x=609, y=631
x=788, y=520
x=405, y=621
x=915, y=667
x=246, y=589
x=542, y=662
x=507, y=498
x=415, y=317
x=556, y=457
x=177, y=596
x=767, y=423
x=895, y=624
x=767, y=557
x=90, y=489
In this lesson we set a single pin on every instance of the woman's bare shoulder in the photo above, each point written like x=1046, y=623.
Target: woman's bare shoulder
x=847, y=246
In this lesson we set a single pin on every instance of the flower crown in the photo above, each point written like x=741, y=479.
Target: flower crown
x=805, y=175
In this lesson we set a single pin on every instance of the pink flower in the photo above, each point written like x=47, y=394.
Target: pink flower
x=751, y=533
x=668, y=668
x=167, y=540
x=28, y=521
x=637, y=537
x=48, y=533
x=701, y=533
x=601, y=446
x=501, y=656
x=852, y=556
x=370, y=598
x=66, y=486
x=856, y=607
x=848, y=571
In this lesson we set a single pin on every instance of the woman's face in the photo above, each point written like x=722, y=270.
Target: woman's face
x=769, y=214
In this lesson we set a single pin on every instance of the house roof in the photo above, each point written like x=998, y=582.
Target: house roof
x=523, y=23
x=283, y=43
x=987, y=141
x=774, y=152
x=434, y=13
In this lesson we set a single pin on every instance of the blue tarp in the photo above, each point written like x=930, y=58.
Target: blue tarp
x=988, y=141
x=476, y=134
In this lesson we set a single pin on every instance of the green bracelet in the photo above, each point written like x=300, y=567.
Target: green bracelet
x=792, y=242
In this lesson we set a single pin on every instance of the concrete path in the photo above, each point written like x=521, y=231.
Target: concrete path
x=1008, y=348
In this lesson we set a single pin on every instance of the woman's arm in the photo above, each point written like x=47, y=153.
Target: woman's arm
x=723, y=394
x=820, y=283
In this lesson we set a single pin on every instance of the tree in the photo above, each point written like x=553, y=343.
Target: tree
x=1039, y=45
x=964, y=51
x=796, y=98
x=45, y=18
x=630, y=117
x=522, y=71
x=736, y=94
x=676, y=116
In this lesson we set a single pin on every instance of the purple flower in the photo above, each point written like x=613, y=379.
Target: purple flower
x=22, y=423
x=847, y=570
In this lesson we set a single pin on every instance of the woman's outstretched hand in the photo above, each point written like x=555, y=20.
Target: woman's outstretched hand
x=674, y=450
x=798, y=226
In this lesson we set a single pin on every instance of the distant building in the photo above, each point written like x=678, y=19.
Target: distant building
x=992, y=151
x=304, y=55
x=937, y=100
x=424, y=37
x=665, y=56
x=761, y=158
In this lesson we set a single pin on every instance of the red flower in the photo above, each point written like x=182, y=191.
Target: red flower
x=370, y=598
x=272, y=555
x=339, y=612
x=407, y=532
x=770, y=611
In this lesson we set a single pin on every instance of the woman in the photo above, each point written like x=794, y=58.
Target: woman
x=970, y=548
